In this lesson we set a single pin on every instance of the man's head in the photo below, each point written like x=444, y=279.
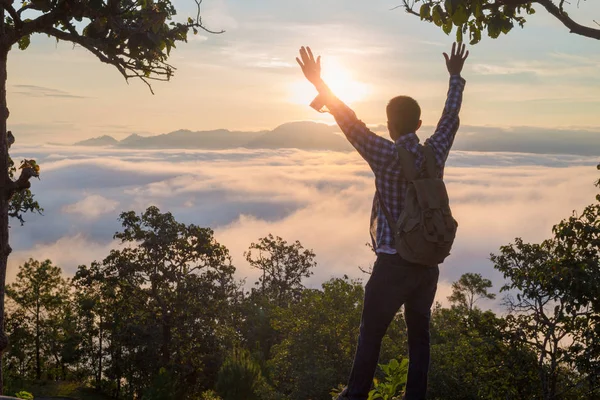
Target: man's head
x=403, y=115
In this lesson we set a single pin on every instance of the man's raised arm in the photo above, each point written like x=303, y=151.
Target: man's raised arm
x=441, y=141
x=373, y=148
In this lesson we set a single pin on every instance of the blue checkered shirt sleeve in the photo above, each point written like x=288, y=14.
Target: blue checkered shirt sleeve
x=376, y=150
x=443, y=138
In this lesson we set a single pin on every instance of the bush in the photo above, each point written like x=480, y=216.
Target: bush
x=210, y=395
x=162, y=387
x=239, y=377
x=394, y=381
x=24, y=395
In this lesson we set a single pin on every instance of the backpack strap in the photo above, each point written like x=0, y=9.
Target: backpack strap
x=430, y=166
x=407, y=161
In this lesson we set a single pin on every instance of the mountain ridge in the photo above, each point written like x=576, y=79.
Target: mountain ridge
x=308, y=135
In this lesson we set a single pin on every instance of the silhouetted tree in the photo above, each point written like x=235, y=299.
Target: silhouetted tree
x=554, y=292
x=169, y=292
x=283, y=267
x=39, y=291
x=469, y=289
x=134, y=36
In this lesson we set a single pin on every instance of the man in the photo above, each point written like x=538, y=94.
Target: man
x=394, y=281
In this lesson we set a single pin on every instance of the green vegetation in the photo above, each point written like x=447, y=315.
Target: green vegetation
x=48, y=389
x=135, y=37
x=162, y=317
x=473, y=18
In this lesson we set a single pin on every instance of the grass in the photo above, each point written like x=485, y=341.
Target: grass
x=59, y=390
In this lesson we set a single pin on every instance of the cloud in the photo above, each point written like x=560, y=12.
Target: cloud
x=321, y=198
x=68, y=253
x=217, y=16
x=567, y=67
x=41, y=91
x=91, y=207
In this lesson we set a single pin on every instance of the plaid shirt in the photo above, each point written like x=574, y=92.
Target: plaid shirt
x=382, y=156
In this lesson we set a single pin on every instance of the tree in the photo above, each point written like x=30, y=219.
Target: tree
x=39, y=291
x=134, y=36
x=554, y=292
x=90, y=308
x=469, y=289
x=239, y=377
x=478, y=359
x=494, y=17
x=283, y=266
x=20, y=357
x=319, y=341
x=168, y=295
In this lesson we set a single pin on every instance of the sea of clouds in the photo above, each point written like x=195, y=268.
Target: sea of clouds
x=322, y=199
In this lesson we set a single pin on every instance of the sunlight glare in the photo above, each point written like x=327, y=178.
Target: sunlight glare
x=337, y=78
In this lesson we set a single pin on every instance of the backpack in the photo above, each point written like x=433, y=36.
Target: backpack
x=425, y=230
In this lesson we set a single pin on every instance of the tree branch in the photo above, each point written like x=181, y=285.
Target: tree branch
x=7, y=5
x=89, y=45
x=23, y=182
x=568, y=22
x=199, y=20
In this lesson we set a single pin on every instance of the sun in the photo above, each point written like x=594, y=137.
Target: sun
x=337, y=78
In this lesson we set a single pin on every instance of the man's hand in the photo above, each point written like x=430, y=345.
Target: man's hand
x=456, y=61
x=310, y=67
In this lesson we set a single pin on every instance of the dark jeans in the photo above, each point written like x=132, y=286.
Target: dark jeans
x=395, y=282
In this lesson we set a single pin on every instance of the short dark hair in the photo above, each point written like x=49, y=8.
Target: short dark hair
x=403, y=114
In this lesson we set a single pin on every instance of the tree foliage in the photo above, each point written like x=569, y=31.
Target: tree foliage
x=134, y=36
x=283, y=267
x=469, y=289
x=169, y=295
x=470, y=19
x=319, y=337
x=553, y=297
x=40, y=295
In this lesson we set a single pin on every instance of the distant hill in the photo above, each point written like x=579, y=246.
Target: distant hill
x=307, y=135
x=99, y=141
x=302, y=135
x=299, y=135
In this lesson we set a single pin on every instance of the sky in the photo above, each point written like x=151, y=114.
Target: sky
x=536, y=78
x=247, y=77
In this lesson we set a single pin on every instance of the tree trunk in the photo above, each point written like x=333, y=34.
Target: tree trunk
x=99, y=378
x=38, y=364
x=166, y=339
x=4, y=186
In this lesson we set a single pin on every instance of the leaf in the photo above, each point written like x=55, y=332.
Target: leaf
x=494, y=29
x=506, y=26
x=475, y=33
x=437, y=15
x=460, y=17
x=447, y=27
x=24, y=42
x=448, y=6
x=425, y=11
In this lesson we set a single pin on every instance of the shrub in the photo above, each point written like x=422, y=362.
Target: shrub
x=24, y=395
x=393, y=383
x=239, y=377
